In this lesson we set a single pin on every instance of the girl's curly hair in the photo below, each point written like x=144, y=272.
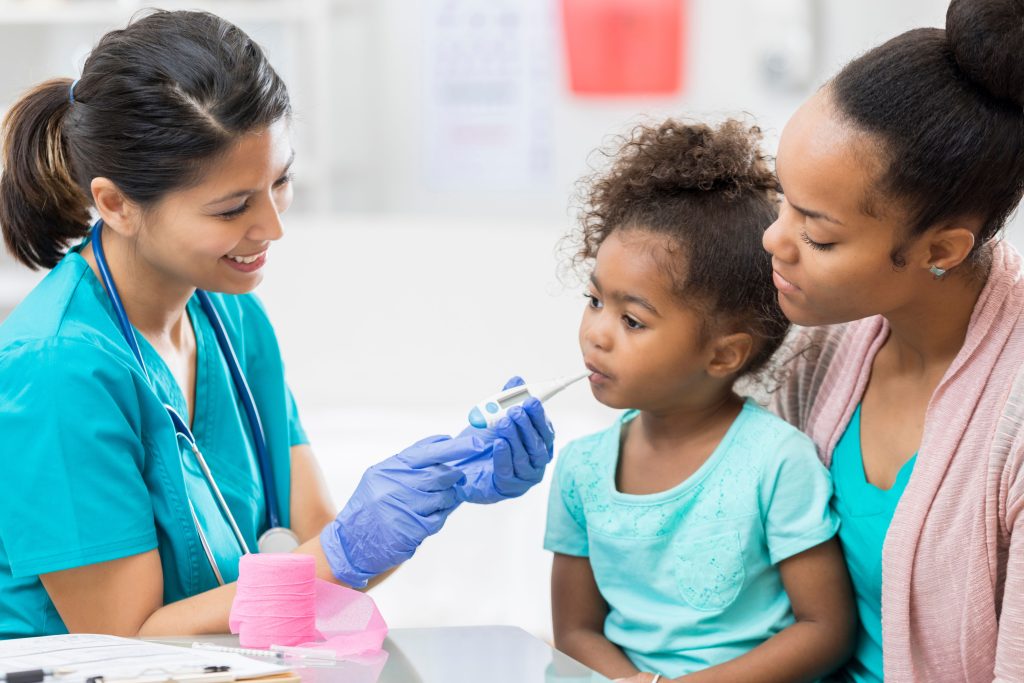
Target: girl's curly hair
x=713, y=192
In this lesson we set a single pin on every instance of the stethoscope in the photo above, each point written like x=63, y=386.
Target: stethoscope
x=276, y=539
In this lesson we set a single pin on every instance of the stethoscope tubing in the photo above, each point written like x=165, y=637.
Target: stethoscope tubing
x=249, y=404
x=182, y=429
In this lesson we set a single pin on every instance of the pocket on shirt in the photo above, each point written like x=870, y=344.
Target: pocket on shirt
x=710, y=570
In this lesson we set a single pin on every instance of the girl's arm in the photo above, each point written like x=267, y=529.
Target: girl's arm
x=823, y=636
x=578, y=612
x=125, y=596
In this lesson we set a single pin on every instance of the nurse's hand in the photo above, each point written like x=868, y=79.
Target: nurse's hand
x=398, y=503
x=521, y=446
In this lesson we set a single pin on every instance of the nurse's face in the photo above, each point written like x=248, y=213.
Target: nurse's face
x=215, y=235
x=831, y=257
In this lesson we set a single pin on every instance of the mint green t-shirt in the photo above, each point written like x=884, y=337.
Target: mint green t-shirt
x=691, y=574
x=91, y=468
x=866, y=512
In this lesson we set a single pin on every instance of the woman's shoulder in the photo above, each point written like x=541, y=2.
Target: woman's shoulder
x=813, y=358
x=247, y=323
x=252, y=335
x=64, y=315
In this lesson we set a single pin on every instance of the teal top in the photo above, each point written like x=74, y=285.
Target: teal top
x=92, y=469
x=865, y=511
x=691, y=574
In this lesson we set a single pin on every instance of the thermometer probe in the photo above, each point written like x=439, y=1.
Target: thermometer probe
x=489, y=411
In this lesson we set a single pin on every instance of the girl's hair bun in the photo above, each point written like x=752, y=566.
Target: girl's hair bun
x=987, y=40
x=678, y=156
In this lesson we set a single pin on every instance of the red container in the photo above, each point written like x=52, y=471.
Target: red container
x=624, y=47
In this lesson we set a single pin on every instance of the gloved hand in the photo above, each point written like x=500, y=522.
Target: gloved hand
x=398, y=503
x=521, y=446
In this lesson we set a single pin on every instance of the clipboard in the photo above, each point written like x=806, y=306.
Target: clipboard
x=80, y=657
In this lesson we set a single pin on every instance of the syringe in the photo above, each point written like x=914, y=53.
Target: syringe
x=490, y=410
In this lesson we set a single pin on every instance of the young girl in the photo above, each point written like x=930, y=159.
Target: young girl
x=693, y=538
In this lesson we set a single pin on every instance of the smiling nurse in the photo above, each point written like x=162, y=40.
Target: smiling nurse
x=898, y=176
x=148, y=436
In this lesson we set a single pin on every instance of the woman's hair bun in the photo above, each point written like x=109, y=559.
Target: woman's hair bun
x=987, y=40
x=676, y=155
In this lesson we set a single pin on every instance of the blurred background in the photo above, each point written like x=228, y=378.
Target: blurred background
x=439, y=143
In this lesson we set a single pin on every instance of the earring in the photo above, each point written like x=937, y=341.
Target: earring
x=937, y=272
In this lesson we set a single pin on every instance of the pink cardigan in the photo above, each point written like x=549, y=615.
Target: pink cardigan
x=953, y=560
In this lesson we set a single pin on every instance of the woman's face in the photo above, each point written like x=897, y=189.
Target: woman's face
x=832, y=243
x=215, y=235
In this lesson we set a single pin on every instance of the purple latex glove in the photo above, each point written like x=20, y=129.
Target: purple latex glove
x=398, y=503
x=521, y=445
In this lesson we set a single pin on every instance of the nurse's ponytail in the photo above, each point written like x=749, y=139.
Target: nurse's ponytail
x=157, y=102
x=41, y=206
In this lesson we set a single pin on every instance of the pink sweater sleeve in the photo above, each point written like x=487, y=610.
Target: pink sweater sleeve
x=1010, y=645
x=801, y=366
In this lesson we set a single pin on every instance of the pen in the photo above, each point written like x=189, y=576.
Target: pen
x=210, y=674
x=31, y=675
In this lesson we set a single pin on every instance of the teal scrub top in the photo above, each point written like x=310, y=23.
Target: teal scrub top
x=691, y=574
x=92, y=469
x=866, y=512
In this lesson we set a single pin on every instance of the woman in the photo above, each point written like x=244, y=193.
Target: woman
x=120, y=434
x=898, y=176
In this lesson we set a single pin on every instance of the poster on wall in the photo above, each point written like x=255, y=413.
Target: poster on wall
x=489, y=74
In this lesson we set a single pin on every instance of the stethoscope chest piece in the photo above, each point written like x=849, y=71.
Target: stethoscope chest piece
x=278, y=540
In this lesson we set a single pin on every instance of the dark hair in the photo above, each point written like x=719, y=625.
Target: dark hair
x=713, y=193
x=946, y=108
x=157, y=101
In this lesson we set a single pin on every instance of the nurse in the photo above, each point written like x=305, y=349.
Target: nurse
x=899, y=175
x=141, y=456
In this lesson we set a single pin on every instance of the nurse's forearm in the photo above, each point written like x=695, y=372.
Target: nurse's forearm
x=205, y=613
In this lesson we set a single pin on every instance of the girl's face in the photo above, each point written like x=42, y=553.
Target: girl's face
x=832, y=242
x=643, y=347
x=215, y=235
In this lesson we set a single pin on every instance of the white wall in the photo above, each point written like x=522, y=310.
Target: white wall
x=382, y=96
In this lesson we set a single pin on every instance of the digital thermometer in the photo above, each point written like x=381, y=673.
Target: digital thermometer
x=489, y=411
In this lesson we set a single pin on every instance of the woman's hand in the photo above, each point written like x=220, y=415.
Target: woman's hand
x=398, y=503
x=642, y=677
x=521, y=446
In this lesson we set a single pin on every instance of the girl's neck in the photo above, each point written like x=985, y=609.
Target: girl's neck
x=669, y=428
x=929, y=334
x=155, y=304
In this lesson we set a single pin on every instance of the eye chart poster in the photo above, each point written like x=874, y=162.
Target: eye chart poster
x=489, y=72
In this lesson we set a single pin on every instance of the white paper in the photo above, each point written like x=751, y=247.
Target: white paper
x=488, y=87
x=118, y=658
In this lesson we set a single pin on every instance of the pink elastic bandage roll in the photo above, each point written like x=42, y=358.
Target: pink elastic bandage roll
x=281, y=602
